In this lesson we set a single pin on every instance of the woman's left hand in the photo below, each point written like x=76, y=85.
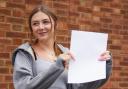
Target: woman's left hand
x=105, y=56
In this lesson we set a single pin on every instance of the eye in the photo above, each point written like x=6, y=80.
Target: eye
x=46, y=22
x=35, y=23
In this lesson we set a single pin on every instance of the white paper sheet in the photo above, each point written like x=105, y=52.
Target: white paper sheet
x=87, y=47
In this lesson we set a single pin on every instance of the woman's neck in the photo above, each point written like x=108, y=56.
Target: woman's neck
x=46, y=48
x=45, y=45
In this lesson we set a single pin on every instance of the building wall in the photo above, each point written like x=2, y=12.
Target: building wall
x=109, y=16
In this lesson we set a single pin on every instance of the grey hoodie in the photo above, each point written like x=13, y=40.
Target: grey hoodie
x=26, y=77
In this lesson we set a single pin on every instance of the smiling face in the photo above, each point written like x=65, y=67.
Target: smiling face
x=42, y=26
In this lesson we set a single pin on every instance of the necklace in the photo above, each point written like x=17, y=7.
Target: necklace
x=46, y=53
x=51, y=53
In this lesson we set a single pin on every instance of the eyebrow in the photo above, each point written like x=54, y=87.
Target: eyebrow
x=38, y=21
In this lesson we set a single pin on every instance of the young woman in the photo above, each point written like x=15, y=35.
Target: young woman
x=37, y=65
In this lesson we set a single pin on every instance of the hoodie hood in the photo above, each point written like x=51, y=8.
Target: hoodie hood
x=26, y=47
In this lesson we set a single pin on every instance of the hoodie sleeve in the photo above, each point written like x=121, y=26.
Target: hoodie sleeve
x=23, y=75
x=94, y=84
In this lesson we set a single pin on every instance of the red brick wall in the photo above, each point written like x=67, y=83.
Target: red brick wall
x=110, y=16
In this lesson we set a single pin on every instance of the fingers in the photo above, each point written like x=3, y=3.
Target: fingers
x=66, y=57
x=105, y=56
x=72, y=56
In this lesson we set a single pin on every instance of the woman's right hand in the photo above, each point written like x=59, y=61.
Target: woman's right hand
x=66, y=58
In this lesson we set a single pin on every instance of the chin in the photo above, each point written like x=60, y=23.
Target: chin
x=43, y=38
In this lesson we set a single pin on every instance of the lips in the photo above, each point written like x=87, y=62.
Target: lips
x=43, y=33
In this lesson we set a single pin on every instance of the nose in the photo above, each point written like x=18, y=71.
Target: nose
x=41, y=26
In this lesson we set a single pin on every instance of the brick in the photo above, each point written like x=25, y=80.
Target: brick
x=17, y=28
x=62, y=32
x=125, y=58
x=105, y=26
x=113, y=36
x=123, y=11
x=84, y=10
x=62, y=12
x=123, y=64
x=2, y=63
x=73, y=26
x=5, y=26
x=2, y=47
x=60, y=6
x=4, y=11
x=19, y=1
x=116, y=11
x=123, y=32
x=2, y=3
x=15, y=20
x=16, y=35
x=115, y=42
x=109, y=10
x=60, y=38
x=125, y=6
x=18, y=13
x=35, y=2
x=8, y=78
x=8, y=63
x=125, y=16
x=73, y=8
x=115, y=16
x=4, y=55
x=96, y=8
x=123, y=84
x=48, y=3
x=75, y=14
x=72, y=20
x=109, y=41
x=1, y=78
x=75, y=2
x=125, y=79
x=2, y=18
x=15, y=5
x=4, y=70
x=2, y=33
x=125, y=41
x=85, y=22
x=108, y=0
x=115, y=79
x=117, y=68
x=11, y=86
x=124, y=22
x=124, y=1
x=5, y=41
x=124, y=74
x=11, y=70
x=26, y=29
x=117, y=27
x=105, y=30
x=115, y=47
x=125, y=47
x=106, y=20
x=125, y=37
x=3, y=86
x=17, y=41
x=62, y=1
x=115, y=5
x=98, y=3
x=63, y=18
x=114, y=31
x=10, y=48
